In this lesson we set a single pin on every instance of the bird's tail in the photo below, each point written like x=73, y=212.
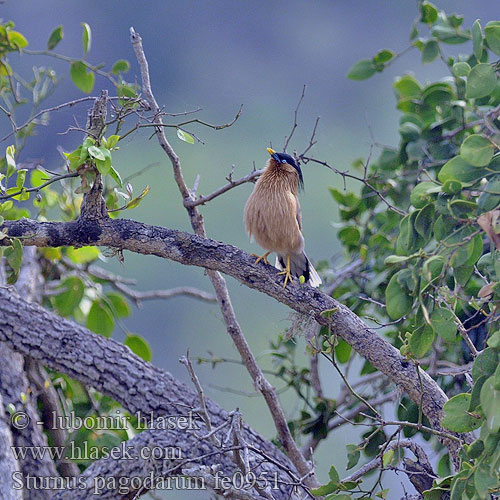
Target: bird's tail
x=300, y=265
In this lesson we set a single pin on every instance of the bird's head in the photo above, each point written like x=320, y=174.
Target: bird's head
x=287, y=163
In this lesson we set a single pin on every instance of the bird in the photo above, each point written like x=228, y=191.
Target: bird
x=273, y=218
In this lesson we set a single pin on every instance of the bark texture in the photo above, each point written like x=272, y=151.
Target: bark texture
x=111, y=368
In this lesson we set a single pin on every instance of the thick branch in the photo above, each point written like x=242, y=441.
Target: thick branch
x=111, y=368
x=191, y=249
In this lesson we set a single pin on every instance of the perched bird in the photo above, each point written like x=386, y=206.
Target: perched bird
x=273, y=218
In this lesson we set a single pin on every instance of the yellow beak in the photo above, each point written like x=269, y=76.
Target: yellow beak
x=271, y=151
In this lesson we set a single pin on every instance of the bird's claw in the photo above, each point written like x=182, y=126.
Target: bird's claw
x=288, y=276
x=261, y=257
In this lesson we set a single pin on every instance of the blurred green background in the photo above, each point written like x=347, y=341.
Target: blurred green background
x=218, y=55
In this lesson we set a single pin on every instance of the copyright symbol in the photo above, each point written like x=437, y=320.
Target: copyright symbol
x=19, y=420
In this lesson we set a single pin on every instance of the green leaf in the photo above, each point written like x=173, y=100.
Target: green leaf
x=458, y=169
x=477, y=150
x=120, y=66
x=475, y=399
x=397, y=301
x=492, y=35
x=86, y=38
x=485, y=364
x=457, y=418
x=184, y=136
x=349, y=235
x=14, y=255
x=494, y=340
x=488, y=201
x=383, y=56
x=490, y=404
x=83, y=255
x=428, y=12
x=461, y=69
x=55, y=37
x=11, y=161
x=353, y=456
x=477, y=39
x=452, y=186
x=362, y=70
x=481, y=81
x=81, y=78
x=407, y=86
x=103, y=165
x=484, y=480
x=17, y=40
x=449, y=34
x=115, y=176
x=396, y=259
x=21, y=178
x=343, y=351
x=100, y=320
x=112, y=141
x=325, y=489
x=387, y=457
x=68, y=300
x=38, y=177
x=430, y=51
x=421, y=341
x=119, y=305
x=135, y=202
x=443, y=324
x=139, y=346
x=424, y=220
x=333, y=475
x=96, y=152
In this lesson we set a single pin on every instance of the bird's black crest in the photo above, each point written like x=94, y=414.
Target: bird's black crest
x=291, y=161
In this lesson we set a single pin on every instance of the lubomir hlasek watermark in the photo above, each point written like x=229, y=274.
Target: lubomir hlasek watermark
x=117, y=421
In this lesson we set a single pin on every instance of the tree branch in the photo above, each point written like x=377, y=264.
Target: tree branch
x=112, y=369
x=192, y=249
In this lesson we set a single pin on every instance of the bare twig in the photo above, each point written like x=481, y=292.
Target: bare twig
x=295, y=116
x=16, y=129
x=199, y=389
x=201, y=200
x=365, y=181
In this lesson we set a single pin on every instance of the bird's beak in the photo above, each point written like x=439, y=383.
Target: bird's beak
x=273, y=154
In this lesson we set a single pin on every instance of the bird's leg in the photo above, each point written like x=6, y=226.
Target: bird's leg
x=262, y=257
x=286, y=272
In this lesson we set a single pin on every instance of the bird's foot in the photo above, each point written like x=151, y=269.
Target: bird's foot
x=286, y=272
x=288, y=276
x=262, y=257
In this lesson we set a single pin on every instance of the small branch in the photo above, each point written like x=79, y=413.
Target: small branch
x=295, y=116
x=196, y=382
x=201, y=200
x=47, y=110
x=56, y=178
x=360, y=179
x=416, y=449
x=188, y=291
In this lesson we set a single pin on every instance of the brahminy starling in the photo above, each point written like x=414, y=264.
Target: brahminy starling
x=273, y=218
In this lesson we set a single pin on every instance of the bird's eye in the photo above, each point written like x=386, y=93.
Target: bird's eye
x=283, y=161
